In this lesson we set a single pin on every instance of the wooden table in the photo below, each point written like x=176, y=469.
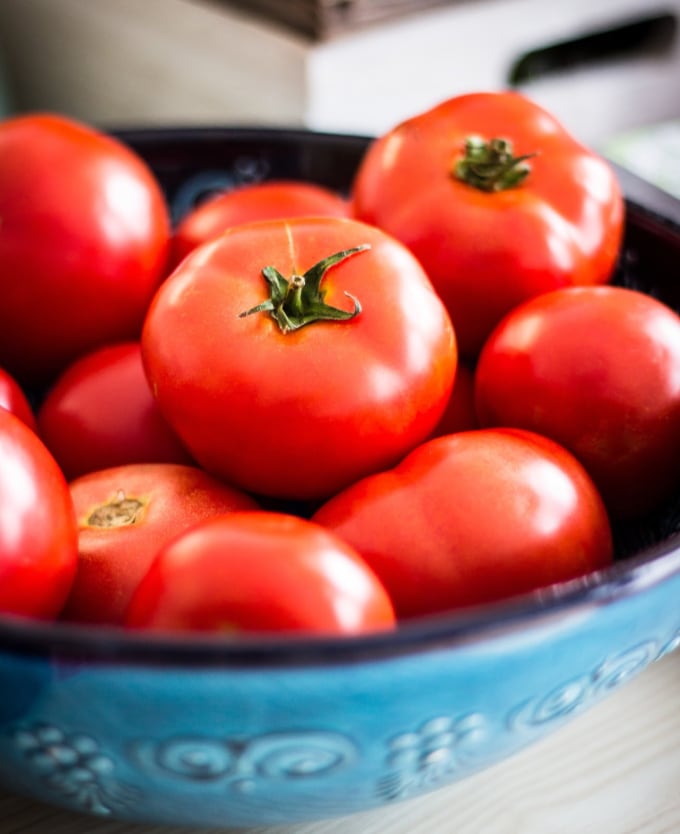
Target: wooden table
x=614, y=770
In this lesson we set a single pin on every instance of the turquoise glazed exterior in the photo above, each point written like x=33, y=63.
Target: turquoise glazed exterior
x=254, y=732
x=184, y=733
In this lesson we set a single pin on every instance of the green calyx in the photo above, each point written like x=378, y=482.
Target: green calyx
x=490, y=165
x=300, y=301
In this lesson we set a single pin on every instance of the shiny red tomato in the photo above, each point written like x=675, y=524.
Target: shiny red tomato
x=84, y=243
x=292, y=357
x=490, y=226
x=259, y=572
x=14, y=399
x=474, y=517
x=38, y=536
x=254, y=201
x=125, y=515
x=598, y=370
x=100, y=413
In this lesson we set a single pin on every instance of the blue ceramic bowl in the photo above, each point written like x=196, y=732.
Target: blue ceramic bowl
x=262, y=731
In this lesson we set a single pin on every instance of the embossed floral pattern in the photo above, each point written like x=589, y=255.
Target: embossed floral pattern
x=571, y=695
x=429, y=755
x=74, y=767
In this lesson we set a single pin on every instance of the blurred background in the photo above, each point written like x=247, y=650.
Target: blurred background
x=610, y=69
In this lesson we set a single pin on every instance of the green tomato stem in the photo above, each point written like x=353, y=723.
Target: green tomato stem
x=490, y=165
x=300, y=301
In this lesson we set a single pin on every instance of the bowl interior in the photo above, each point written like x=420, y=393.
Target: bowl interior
x=192, y=163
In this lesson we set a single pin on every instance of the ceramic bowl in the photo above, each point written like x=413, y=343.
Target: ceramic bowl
x=263, y=731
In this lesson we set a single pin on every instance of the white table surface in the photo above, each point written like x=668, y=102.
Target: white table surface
x=613, y=770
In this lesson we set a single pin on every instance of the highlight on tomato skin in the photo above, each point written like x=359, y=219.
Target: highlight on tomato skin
x=259, y=572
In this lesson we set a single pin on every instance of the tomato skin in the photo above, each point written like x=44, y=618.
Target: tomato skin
x=14, y=399
x=101, y=413
x=300, y=414
x=38, y=537
x=474, y=517
x=112, y=559
x=254, y=201
x=86, y=226
x=487, y=252
x=460, y=413
x=598, y=370
x=259, y=572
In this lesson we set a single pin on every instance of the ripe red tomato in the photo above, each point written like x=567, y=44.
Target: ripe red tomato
x=474, y=517
x=83, y=243
x=125, y=515
x=14, y=399
x=275, y=402
x=38, y=537
x=258, y=572
x=270, y=200
x=598, y=370
x=101, y=413
x=491, y=227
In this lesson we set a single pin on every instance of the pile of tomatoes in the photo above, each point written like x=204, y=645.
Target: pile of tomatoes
x=301, y=411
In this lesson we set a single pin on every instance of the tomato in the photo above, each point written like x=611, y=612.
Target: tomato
x=254, y=201
x=598, y=370
x=38, y=537
x=14, y=399
x=83, y=243
x=490, y=226
x=258, y=572
x=101, y=413
x=474, y=517
x=292, y=357
x=125, y=515
x=460, y=412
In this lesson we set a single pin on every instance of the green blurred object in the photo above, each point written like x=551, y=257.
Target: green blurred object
x=651, y=152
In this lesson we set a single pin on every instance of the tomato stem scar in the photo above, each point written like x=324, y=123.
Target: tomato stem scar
x=119, y=512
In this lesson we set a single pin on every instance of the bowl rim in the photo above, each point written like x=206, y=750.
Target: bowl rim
x=631, y=576
x=627, y=577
